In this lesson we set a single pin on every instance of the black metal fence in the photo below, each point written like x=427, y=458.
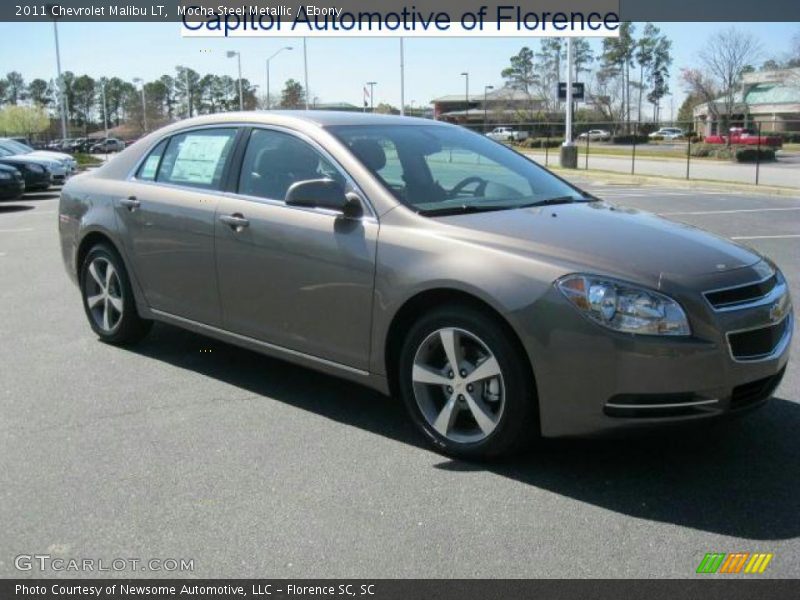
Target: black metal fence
x=756, y=152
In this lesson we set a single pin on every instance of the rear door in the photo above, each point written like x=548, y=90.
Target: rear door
x=168, y=219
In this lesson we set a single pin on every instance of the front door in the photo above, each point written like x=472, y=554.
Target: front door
x=295, y=277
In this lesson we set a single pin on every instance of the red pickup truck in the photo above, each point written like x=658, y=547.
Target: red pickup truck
x=744, y=137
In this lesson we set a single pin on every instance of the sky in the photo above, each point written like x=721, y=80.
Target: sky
x=337, y=68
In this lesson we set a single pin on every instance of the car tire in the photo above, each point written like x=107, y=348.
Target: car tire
x=108, y=298
x=460, y=415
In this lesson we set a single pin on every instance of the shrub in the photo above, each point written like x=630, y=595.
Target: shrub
x=629, y=139
x=752, y=154
x=542, y=142
x=656, y=138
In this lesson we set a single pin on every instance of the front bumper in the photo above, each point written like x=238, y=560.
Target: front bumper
x=591, y=380
x=11, y=189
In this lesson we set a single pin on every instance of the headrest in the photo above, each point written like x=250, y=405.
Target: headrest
x=296, y=157
x=370, y=152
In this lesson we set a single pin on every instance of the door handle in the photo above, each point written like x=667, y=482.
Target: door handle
x=236, y=221
x=131, y=203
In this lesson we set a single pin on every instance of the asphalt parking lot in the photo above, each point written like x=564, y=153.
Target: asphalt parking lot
x=184, y=447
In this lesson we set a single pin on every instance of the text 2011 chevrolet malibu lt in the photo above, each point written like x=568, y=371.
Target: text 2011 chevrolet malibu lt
x=497, y=300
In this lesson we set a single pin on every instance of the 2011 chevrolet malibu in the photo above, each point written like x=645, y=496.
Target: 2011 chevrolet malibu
x=423, y=260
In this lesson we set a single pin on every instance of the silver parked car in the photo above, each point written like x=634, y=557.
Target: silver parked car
x=430, y=262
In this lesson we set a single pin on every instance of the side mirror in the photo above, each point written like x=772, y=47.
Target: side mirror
x=324, y=193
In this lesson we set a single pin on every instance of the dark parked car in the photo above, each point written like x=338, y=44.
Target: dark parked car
x=12, y=184
x=36, y=175
x=421, y=259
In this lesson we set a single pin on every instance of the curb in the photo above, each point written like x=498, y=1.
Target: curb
x=615, y=177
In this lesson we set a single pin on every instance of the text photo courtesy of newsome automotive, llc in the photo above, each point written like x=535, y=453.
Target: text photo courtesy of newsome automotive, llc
x=441, y=299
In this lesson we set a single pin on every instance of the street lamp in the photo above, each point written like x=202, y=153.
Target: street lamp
x=144, y=104
x=486, y=88
x=62, y=95
x=466, y=97
x=305, y=69
x=238, y=55
x=402, y=80
x=269, y=59
x=372, y=85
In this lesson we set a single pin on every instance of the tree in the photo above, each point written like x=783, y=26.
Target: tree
x=521, y=75
x=170, y=99
x=385, y=108
x=15, y=88
x=686, y=111
x=618, y=58
x=658, y=74
x=40, y=93
x=187, y=86
x=85, y=100
x=23, y=120
x=582, y=56
x=724, y=58
x=293, y=95
x=551, y=53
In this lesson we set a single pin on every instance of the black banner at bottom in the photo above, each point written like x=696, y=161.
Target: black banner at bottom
x=404, y=589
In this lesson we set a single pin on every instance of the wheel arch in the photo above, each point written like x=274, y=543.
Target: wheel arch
x=94, y=237
x=428, y=300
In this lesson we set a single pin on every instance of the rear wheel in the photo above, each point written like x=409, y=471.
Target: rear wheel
x=108, y=298
x=466, y=384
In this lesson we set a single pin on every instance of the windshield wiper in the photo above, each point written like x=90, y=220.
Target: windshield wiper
x=463, y=209
x=551, y=201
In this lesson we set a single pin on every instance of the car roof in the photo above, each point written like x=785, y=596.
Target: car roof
x=321, y=118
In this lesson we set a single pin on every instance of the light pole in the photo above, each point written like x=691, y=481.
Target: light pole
x=569, y=151
x=238, y=55
x=62, y=96
x=486, y=88
x=105, y=111
x=466, y=98
x=402, y=80
x=269, y=59
x=372, y=85
x=305, y=69
x=144, y=104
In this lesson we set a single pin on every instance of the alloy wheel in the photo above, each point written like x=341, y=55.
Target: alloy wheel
x=458, y=385
x=103, y=291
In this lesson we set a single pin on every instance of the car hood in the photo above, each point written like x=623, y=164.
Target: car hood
x=600, y=237
x=39, y=160
x=59, y=156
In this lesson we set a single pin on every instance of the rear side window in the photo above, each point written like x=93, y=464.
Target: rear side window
x=147, y=172
x=197, y=158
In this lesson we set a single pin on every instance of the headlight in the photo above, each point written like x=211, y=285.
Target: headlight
x=34, y=168
x=5, y=175
x=624, y=307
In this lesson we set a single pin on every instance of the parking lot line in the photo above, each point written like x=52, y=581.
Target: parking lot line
x=729, y=212
x=765, y=237
x=20, y=230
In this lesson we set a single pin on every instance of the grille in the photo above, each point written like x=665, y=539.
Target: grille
x=757, y=343
x=732, y=297
x=755, y=391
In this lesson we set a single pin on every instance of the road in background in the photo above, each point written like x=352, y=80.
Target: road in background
x=186, y=447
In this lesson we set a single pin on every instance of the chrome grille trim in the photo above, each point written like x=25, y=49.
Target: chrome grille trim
x=778, y=290
x=776, y=351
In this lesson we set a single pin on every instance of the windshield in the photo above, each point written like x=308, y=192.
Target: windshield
x=439, y=170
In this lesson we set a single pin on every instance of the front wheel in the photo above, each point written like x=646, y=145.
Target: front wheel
x=108, y=298
x=467, y=385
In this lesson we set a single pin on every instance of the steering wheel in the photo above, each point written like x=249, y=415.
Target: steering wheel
x=479, y=191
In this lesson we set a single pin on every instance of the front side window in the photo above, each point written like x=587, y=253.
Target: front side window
x=197, y=158
x=435, y=169
x=275, y=160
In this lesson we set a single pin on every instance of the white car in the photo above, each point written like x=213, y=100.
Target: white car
x=68, y=162
x=596, y=135
x=668, y=133
x=507, y=134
